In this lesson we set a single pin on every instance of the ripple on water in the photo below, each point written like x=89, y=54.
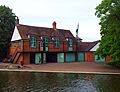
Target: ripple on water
x=57, y=82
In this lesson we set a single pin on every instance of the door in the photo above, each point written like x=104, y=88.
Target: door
x=89, y=57
x=60, y=57
x=98, y=58
x=37, y=58
x=51, y=57
x=70, y=57
x=80, y=56
x=32, y=58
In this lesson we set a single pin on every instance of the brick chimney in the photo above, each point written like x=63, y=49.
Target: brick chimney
x=17, y=20
x=54, y=25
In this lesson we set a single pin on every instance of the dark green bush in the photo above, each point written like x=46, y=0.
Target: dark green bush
x=114, y=63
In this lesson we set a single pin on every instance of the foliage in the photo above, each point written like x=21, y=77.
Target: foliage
x=109, y=13
x=114, y=63
x=7, y=24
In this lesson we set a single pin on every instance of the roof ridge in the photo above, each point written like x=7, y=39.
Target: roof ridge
x=35, y=30
x=95, y=43
x=42, y=27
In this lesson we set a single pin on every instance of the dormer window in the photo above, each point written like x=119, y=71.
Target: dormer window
x=32, y=41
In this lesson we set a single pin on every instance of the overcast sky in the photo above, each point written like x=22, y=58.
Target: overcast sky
x=67, y=14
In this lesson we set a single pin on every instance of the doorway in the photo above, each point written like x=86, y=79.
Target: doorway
x=51, y=57
x=32, y=58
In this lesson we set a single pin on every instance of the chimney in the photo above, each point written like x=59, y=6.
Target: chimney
x=54, y=25
x=17, y=20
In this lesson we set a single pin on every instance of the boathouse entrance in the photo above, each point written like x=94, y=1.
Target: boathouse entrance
x=51, y=57
x=32, y=58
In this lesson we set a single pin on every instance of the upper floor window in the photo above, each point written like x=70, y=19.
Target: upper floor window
x=70, y=42
x=32, y=41
x=56, y=42
x=44, y=41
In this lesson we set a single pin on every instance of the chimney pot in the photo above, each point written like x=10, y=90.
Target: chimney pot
x=17, y=20
x=54, y=25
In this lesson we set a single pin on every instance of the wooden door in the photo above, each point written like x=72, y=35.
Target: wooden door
x=37, y=58
x=60, y=57
x=80, y=57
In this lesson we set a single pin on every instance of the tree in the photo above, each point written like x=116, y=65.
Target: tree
x=7, y=24
x=109, y=13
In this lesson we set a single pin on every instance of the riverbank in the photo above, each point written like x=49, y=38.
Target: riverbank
x=75, y=67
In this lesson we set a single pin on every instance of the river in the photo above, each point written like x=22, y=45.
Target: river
x=58, y=82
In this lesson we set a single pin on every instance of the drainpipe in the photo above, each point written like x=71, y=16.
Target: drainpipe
x=77, y=50
x=44, y=60
x=23, y=50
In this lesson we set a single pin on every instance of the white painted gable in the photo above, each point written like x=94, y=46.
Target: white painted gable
x=16, y=35
x=95, y=47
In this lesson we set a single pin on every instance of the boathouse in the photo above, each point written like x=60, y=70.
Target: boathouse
x=36, y=45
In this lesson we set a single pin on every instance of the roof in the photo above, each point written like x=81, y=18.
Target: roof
x=86, y=46
x=79, y=39
x=24, y=30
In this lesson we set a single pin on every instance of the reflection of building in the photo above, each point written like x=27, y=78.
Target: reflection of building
x=42, y=45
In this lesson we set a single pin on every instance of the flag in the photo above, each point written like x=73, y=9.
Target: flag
x=78, y=26
x=77, y=30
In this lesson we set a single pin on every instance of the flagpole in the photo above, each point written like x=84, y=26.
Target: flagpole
x=77, y=42
x=77, y=30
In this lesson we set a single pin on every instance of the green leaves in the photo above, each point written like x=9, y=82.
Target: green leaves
x=109, y=13
x=7, y=24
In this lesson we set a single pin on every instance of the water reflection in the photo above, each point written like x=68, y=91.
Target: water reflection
x=57, y=82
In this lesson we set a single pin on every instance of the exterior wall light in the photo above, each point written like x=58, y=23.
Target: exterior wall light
x=28, y=35
x=53, y=39
x=66, y=39
x=41, y=38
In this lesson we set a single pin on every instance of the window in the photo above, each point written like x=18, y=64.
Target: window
x=19, y=42
x=70, y=42
x=44, y=40
x=32, y=41
x=56, y=42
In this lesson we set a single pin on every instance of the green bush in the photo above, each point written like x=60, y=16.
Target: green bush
x=114, y=63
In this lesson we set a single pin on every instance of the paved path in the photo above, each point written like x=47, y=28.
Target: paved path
x=75, y=67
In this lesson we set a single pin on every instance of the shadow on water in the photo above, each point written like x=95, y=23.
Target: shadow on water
x=57, y=82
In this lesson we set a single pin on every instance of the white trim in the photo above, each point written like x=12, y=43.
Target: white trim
x=16, y=35
x=95, y=47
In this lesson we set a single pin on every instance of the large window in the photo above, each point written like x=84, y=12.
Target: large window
x=44, y=41
x=56, y=42
x=70, y=43
x=32, y=41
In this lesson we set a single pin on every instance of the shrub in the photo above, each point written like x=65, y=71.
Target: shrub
x=114, y=63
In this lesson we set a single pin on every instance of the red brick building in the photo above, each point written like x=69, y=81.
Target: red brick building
x=34, y=45
x=87, y=52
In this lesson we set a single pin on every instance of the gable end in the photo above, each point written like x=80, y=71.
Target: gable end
x=16, y=35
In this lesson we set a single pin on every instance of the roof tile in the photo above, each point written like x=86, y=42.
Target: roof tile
x=86, y=46
x=24, y=30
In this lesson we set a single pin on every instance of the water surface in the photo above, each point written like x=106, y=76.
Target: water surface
x=58, y=82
